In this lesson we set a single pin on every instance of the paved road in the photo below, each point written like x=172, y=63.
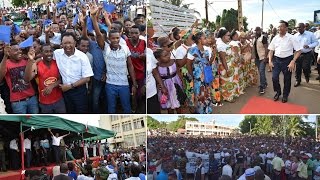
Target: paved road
x=307, y=95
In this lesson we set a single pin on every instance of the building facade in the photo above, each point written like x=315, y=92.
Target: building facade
x=207, y=128
x=130, y=129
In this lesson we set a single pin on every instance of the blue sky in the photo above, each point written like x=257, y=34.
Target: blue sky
x=282, y=9
x=228, y=120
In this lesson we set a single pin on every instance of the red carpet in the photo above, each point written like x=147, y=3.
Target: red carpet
x=259, y=105
x=16, y=175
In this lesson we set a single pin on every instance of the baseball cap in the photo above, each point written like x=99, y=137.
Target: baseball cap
x=250, y=172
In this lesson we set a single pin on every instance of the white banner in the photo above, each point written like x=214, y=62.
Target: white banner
x=192, y=157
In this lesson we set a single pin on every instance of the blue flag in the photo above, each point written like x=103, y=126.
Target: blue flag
x=89, y=24
x=26, y=43
x=75, y=20
x=5, y=33
x=110, y=8
x=61, y=4
x=30, y=14
x=103, y=27
x=47, y=22
x=16, y=29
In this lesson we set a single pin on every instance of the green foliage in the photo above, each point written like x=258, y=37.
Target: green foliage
x=218, y=21
x=180, y=123
x=290, y=126
x=153, y=123
x=229, y=20
x=292, y=24
x=210, y=25
x=19, y=3
x=245, y=125
x=178, y=3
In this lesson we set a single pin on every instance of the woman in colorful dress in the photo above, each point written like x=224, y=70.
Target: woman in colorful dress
x=181, y=57
x=246, y=54
x=199, y=67
x=228, y=67
x=211, y=43
x=239, y=63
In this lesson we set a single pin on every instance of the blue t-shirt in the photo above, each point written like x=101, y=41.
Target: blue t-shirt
x=162, y=175
x=73, y=175
x=142, y=176
x=99, y=65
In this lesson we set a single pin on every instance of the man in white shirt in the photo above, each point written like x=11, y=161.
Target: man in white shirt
x=282, y=46
x=14, y=154
x=75, y=70
x=56, y=145
x=27, y=150
x=270, y=156
x=227, y=169
x=309, y=42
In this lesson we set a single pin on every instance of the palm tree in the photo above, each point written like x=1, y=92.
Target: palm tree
x=294, y=126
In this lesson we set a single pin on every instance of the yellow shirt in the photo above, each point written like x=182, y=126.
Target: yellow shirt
x=303, y=170
x=277, y=163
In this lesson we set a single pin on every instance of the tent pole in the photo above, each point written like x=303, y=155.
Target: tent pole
x=22, y=146
x=84, y=154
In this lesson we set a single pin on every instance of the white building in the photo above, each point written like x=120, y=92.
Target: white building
x=207, y=128
x=130, y=129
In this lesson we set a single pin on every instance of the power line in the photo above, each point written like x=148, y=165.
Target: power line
x=273, y=10
x=213, y=8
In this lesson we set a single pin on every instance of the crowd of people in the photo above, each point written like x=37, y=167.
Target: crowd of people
x=79, y=158
x=233, y=157
x=112, y=167
x=196, y=70
x=91, y=52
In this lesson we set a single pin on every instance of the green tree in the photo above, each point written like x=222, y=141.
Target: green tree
x=218, y=21
x=153, y=123
x=263, y=126
x=210, y=25
x=245, y=124
x=19, y=3
x=229, y=20
x=270, y=28
x=292, y=24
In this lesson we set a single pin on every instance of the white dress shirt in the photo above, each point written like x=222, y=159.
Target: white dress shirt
x=13, y=144
x=181, y=51
x=73, y=68
x=27, y=144
x=283, y=46
x=56, y=141
x=307, y=38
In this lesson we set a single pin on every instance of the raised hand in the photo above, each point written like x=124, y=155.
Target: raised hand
x=31, y=54
x=47, y=29
x=7, y=49
x=93, y=9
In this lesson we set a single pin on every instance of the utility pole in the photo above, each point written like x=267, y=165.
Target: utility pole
x=262, y=15
x=240, y=18
x=317, y=128
x=206, y=6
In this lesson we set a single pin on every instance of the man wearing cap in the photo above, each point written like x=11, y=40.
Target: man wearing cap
x=260, y=52
x=282, y=47
x=309, y=41
x=249, y=174
x=278, y=166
